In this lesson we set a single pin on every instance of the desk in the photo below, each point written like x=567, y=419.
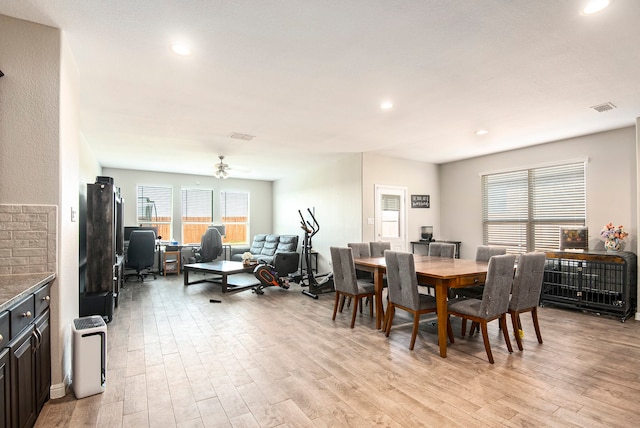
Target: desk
x=441, y=272
x=426, y=244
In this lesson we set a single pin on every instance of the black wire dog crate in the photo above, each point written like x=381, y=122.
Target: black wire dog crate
x=595, y=281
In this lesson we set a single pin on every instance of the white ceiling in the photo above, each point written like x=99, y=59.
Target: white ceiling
x=307, y=77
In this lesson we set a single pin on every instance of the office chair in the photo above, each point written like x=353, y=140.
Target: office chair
x=141, y=252
x=210, y=246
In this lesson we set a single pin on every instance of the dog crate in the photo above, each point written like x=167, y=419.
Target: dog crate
x=595, y=281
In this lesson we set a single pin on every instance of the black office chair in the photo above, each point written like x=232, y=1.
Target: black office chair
x=210, y=247
x=141, y=253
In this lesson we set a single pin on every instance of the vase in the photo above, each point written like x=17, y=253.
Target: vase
x=613, y=245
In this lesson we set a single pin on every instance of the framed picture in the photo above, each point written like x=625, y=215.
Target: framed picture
x=420, y=201
x=574, y=238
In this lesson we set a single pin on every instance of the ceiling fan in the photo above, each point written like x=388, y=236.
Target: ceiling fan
x=222, y=169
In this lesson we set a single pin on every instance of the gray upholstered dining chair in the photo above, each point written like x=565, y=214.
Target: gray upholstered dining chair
x=376, y=248
x=346, y=283
x=483, y=254
x=361, y=249
x=403, y=292
x=525, y=293
x=442, y=249
x=494, y=303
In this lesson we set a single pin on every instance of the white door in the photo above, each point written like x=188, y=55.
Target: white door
x=391, y=216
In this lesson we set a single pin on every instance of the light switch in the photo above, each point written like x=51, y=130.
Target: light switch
x=370, y=220
x=74, y=214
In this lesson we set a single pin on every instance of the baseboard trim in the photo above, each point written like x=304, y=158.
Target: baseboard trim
x=59, y=390
x=637, y=316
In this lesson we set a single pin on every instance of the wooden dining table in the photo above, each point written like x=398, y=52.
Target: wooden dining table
x=440, y=272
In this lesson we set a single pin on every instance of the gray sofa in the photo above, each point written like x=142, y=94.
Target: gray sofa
x=264, y=247
x=281, y=251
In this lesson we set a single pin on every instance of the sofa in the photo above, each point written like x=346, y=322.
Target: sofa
x=281, y=251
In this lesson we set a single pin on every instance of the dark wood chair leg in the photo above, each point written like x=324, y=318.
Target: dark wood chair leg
x=516, y=332
x=414, y=332
x=534, y=315
x=485, y=338
x=391, y=311
x=335, y=305
x=356, y=303
x=463, y=330
x=505, y=332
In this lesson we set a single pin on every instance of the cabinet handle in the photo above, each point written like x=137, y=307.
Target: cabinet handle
x=38, y=334
x=46, y=298
x=26, y=314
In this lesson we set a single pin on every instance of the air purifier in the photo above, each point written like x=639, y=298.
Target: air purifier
x=89, y=356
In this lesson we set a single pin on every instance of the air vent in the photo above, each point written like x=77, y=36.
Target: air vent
x=601, y=108
x=239, y=136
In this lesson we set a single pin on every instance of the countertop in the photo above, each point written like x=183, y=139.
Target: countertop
x=14, y=287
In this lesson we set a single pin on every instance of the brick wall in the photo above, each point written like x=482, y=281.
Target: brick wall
x=28, y=239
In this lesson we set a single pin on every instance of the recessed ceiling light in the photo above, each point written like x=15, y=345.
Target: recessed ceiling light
x=594, y=6
x=386, y=105
x=181, y=49
x=482, y=132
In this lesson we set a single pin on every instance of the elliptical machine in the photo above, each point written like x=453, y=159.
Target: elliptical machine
x=325, y=285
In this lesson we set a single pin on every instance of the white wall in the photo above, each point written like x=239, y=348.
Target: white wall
x=419, y=178
x=332, y=190
x=260, y=200
x=611, y=184
x=66, y=296
x=39, y=156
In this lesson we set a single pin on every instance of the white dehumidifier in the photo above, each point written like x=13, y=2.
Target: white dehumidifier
x=89, y=355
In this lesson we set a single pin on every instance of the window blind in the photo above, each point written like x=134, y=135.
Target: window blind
x=154, y=208
x=197, y=213
x=523, y=210
x=234, y=213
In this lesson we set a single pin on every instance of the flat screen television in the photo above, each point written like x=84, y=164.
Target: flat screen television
x=574, y=238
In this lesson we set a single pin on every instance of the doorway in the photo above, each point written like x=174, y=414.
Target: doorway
x=391, y=216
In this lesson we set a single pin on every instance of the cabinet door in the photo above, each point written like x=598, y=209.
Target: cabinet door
x=23, y=395
x=5, y=390
x=43, y=360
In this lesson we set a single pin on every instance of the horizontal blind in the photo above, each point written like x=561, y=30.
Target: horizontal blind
x=234, y=212
x=154, y=208
x=197, y=213
x=197, y=205
x=523, y=210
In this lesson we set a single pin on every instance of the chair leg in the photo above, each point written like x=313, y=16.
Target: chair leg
x=505, y=333
x=356, y=302
x=485, y=338
x=463, y=330
x=474, y=327
x=335, y=305
x=371, y=307
x=534, y=315
x=342, y=299
x=449, y=330
x=516, y=332
x=414, y=332
x=391, y=312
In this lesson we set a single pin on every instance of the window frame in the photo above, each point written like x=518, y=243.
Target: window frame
x=161, y=226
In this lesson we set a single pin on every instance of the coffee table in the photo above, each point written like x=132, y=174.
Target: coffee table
x=222, y=269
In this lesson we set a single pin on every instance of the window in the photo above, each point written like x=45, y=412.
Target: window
x=523, y=210
x=154, y=209
x=234, y=213
x=197, y=214
x=391, y=216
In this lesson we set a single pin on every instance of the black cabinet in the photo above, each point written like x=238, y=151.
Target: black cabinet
x=595, y=281
x=5, y=389
x=42, y=360
x=105, y=250
x=25, y=359
x=23, y=392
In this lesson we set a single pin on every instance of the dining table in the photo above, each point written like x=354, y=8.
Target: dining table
x=442, y=273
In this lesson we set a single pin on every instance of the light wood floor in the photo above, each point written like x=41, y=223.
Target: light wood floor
x=277, y=360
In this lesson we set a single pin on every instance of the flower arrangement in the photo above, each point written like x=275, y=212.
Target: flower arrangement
x=247, y=255
x=613, y=236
